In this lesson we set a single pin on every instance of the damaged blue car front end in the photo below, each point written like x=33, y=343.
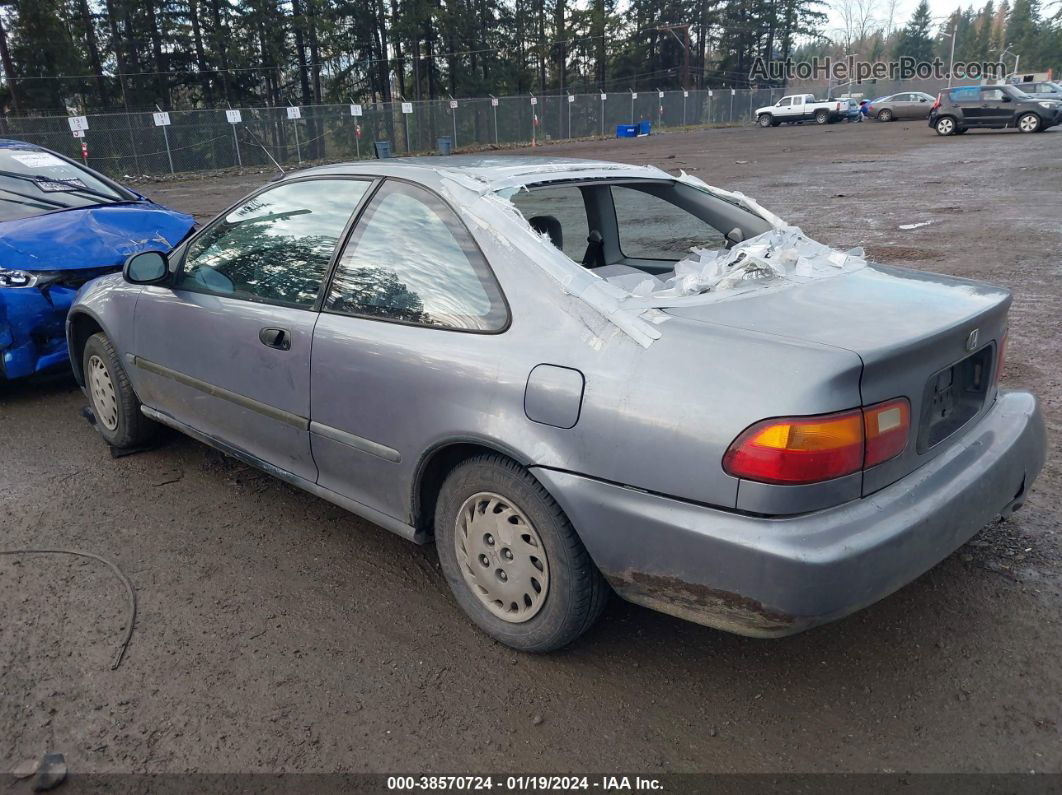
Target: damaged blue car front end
x=62, y=225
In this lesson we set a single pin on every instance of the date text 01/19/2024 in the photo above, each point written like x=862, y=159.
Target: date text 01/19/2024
x=523, y=783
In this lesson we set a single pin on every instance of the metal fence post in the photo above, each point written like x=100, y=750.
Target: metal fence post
x=602, y=114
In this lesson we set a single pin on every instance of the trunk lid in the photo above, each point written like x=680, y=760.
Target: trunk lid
x=930, y=338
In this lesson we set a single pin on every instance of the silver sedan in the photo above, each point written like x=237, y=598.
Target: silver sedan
x=577, y=377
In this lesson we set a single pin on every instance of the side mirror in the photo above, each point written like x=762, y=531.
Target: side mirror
x=147, y=267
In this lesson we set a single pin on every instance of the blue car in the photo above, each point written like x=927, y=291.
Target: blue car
x=61, y=225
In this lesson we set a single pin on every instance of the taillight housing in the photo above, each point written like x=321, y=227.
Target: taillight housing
x=802, y=450
x=937, y=103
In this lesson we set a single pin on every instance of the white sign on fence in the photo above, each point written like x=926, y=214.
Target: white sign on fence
x=233, y=116
x=407, y=107
x=709, y=93
x=634, y=95
x=78, y=133
x=732, y=92
x=162, y=118
x=453, y=104
x=534, y=100
x=660, y=94
x=355, y=110
x=604, y=96
x=78, y=123
x=571, y=98
x=294, y=113
x=686, y=94
x=494, y=102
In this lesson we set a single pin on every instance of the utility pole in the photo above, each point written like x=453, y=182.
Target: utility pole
x=685, y=42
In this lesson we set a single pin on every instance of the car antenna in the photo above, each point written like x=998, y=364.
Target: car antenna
x=258, y=141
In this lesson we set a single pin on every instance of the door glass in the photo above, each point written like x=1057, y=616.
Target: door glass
x=653, y=228
x=785, y=102
x=276, y=246
x=565, y=206
x=991, y=95
x=411, y=260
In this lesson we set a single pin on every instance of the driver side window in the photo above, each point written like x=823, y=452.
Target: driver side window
x=276, y=246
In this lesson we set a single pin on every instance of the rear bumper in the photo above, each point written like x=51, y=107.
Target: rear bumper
x=772, y=577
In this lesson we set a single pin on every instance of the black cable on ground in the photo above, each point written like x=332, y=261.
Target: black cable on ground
x=118, y=573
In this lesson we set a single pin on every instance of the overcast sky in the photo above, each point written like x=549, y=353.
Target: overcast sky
x=939, y=9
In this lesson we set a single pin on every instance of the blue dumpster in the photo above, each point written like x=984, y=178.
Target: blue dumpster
x=383, y=149
x=444, y=145
x=626, y=130
x=644, y=127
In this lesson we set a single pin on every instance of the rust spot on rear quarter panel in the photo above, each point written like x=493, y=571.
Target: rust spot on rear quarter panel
x=708, y=606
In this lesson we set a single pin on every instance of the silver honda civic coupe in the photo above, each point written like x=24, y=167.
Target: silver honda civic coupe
x=577, y=377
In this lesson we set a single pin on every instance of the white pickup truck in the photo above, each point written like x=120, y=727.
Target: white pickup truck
x=802, y=107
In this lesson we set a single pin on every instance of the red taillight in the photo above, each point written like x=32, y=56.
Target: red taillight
x=1001, y=356
x=800, y=450
x=937, y=103
x=886, y=426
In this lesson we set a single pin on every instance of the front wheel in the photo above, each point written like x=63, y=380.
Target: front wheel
x=512, y=558
x=114, y=404
x=885, y=115
x=822, y=116
x=945, y=126
x=1029, y=123
x=766, y=120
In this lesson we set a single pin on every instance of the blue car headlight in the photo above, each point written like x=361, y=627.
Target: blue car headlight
x=17, y=278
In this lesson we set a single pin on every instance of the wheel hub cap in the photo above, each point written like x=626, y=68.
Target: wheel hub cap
x=104, y=400
x=501, y=557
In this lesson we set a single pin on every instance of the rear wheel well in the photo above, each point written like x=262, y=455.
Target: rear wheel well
x=82, y=327
x=433, y=470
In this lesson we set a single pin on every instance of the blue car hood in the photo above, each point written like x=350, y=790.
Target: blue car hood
x=93, y=237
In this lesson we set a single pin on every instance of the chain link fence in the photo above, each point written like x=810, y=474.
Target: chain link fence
x=130, y=145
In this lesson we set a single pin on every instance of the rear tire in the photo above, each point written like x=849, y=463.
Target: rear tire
x=822, y=117
x=945, y=126
x=114, y=403
x=1029, y=123
x=885, y=115
x=766, y=120
x=512, y=559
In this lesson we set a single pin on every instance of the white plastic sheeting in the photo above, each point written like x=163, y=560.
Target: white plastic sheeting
x=628, y=299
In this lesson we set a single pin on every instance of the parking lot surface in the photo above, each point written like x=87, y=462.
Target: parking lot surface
x=278, y=633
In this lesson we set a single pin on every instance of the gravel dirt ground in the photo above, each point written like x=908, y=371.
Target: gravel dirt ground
x=278, y=633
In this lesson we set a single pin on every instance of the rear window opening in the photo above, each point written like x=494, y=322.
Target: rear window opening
x=666, y=238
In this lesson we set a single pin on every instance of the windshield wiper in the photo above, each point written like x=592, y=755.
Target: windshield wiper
x=68, y=188
x=40, y=202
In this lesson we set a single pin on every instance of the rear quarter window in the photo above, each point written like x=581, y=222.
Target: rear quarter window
x=965, y=94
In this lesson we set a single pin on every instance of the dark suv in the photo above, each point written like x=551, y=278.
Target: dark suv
x=966, y=107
